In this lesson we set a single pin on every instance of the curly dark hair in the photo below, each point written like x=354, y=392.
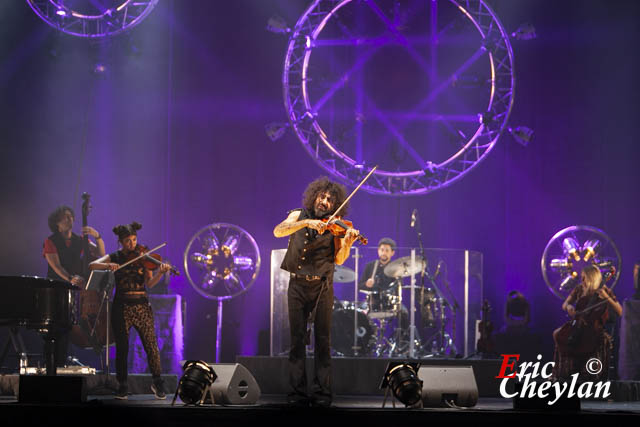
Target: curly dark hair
x=124, y=231
x=56, y=216
x=323, y=184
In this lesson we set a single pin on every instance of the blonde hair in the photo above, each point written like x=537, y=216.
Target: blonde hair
x=591, y=276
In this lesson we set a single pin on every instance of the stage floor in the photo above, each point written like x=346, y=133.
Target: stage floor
x=273, y=409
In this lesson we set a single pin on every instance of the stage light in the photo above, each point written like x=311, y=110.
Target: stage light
x=571, y=248
x=195, y=382
x=278, y=25
x=525, y=31
x=402, y=379
x=275, y=130
x=522, y=134
x=430, y=169
x=569, y=282
x=590, y=248
x=560, y=264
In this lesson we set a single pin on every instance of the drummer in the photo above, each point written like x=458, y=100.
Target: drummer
x=381, y=286
x=373, y=278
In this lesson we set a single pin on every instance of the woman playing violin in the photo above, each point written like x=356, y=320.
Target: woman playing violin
x=584, y=337
x=131, y=306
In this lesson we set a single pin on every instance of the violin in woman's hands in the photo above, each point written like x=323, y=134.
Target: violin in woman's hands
x=151, y=261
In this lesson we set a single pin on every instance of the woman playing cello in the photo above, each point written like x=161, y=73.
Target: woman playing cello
x=584, y=337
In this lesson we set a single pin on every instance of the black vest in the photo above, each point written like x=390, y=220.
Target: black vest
x=309, y=252
x=70, y=257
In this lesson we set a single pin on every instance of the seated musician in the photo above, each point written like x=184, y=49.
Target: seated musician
x=373, y=277
x=383, y=287
x=131, y=306
x=577, y=342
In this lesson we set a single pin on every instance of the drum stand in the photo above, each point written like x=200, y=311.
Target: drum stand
x=383, y=344
x=439, y=346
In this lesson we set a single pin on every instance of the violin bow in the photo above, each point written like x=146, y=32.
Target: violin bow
x=142, y=255
x=352, y=193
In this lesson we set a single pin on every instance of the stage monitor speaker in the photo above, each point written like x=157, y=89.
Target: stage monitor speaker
x=234, y=385
x=52, y=389
x=454, y=384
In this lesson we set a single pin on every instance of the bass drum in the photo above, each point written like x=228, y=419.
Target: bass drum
x=342, y=333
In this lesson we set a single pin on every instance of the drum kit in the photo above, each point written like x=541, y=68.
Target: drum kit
x=379, y=325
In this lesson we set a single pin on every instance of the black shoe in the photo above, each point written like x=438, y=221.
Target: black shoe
x=297, y=399
x=123, y=392
x=158, y=389
x=321, y=401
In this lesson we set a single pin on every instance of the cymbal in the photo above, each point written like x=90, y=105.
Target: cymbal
x=402, y=267
x=366, y=292
x=343, y=274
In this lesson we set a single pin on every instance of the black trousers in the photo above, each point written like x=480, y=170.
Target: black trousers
x=302, y=296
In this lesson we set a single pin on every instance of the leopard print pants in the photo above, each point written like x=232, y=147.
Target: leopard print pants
x=138, y=315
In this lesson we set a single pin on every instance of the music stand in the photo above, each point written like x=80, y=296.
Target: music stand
x=103, y=281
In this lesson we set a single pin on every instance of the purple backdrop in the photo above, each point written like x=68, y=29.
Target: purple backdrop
x=171, y=135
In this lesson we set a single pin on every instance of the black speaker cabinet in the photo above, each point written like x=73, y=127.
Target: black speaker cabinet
x=234, y=385
x=441, y=384
x=52, y=389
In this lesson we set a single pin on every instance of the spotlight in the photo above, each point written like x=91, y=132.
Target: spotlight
x=571, y=247
x=275, y=130
x=195, y=382
x=402, y=379
x=486, y=118
x=560, y=264
x=525, y=31
x=278, y=25
x=522, y=134
x=99, y=69
x=429, y=169
x=590, y=248
x=569, y=282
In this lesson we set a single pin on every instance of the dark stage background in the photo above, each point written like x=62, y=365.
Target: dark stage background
x=172, y=135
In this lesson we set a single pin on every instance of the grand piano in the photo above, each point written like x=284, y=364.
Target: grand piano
x=41, y=304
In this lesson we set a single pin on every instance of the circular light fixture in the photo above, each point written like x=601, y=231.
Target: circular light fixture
x=221, y=261
x=573, y=248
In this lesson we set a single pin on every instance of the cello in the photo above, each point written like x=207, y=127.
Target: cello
x=90, y=330
x=580, y=337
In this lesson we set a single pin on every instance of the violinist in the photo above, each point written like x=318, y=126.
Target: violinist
x=310, y=259
x=131, y=306
x=590, y=306
x=63, y=251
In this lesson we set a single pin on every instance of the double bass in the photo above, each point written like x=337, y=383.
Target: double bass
x=91, y=328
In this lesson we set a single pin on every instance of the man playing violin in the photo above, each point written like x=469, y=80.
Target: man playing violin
x=310, y=259
x=131, y=306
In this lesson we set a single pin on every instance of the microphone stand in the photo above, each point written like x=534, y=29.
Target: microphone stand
x=425, y=273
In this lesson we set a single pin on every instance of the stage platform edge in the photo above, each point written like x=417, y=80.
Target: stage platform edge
x=360, y=376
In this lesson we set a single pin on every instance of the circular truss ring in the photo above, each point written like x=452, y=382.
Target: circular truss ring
x=325, y=148
x=124, y=15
